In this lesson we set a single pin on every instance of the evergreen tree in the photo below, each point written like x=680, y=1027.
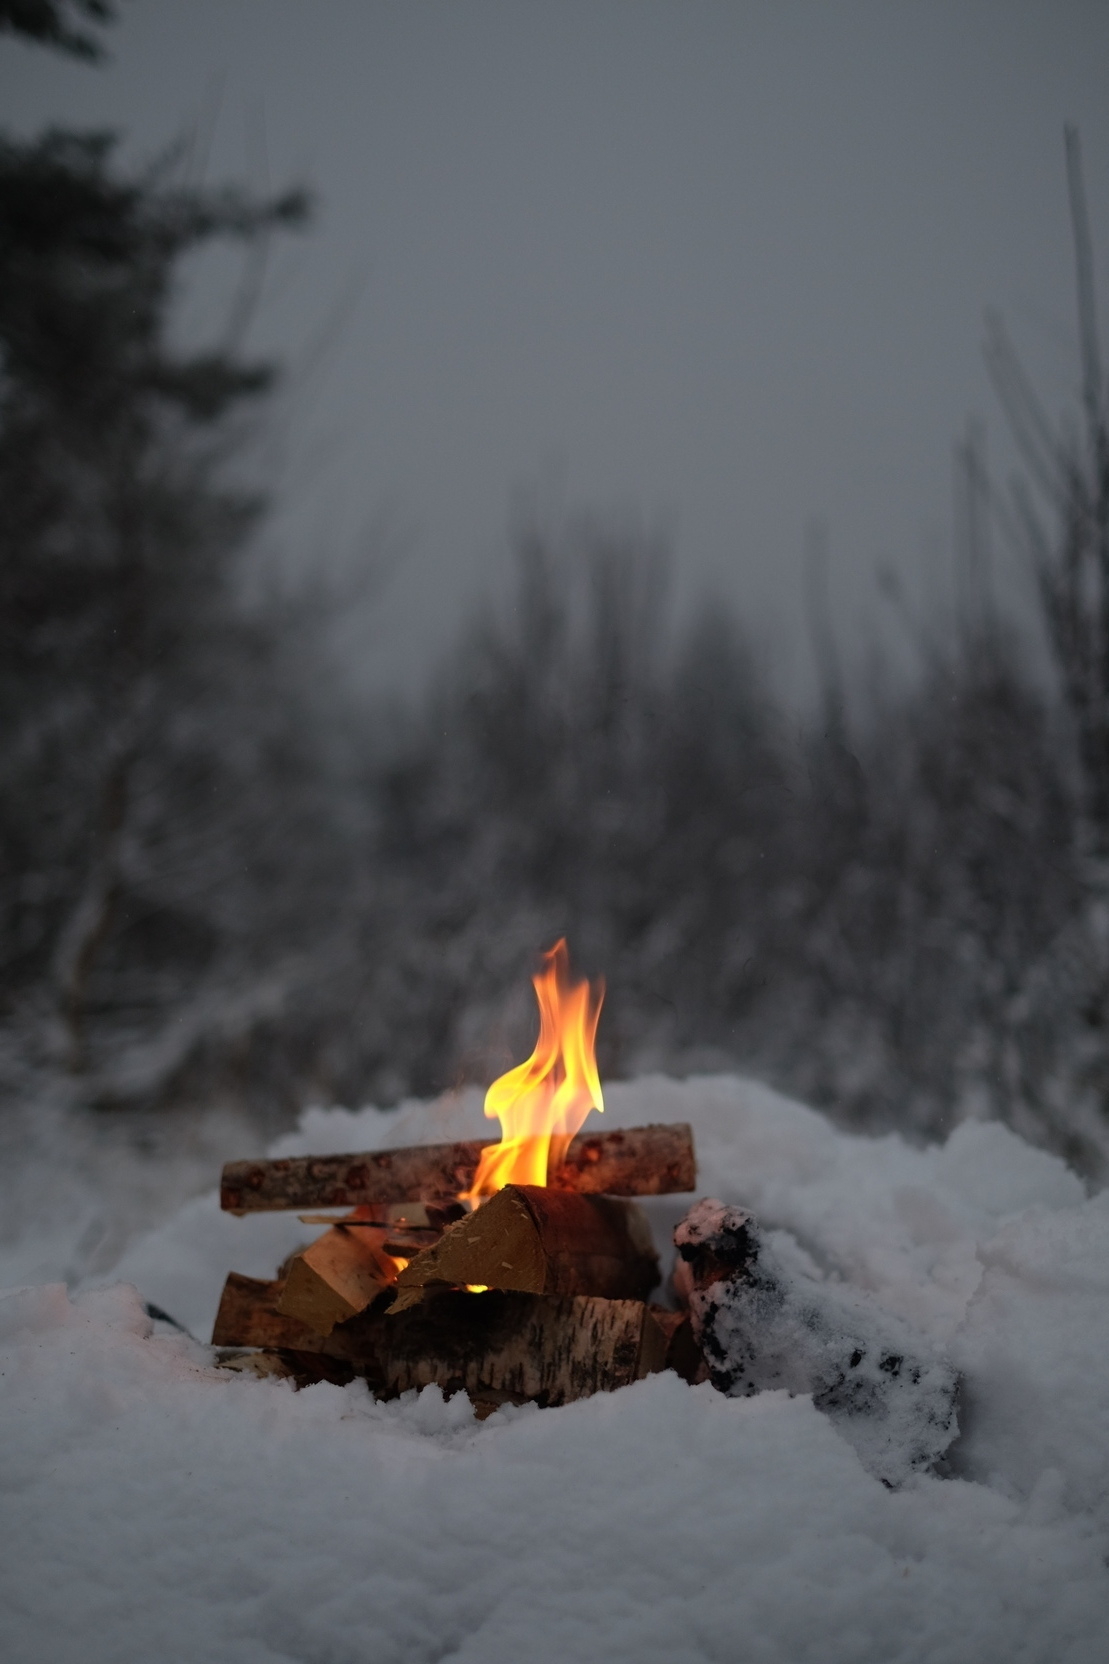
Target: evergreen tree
x=151, y=764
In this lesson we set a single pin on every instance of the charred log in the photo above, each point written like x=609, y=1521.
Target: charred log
x=763, y=1319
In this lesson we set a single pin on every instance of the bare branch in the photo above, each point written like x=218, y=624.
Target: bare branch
x=1092, y=381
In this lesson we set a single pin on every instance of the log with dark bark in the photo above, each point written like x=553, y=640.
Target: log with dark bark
x=498, y=1347
x=632, y=1161
x=517, y=1347
x=540, y=1241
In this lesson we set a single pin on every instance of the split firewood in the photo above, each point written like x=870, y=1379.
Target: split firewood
x=539, y=1241
x=765, y=1318
x=249, y=1315
x=634, y=1161
x=338, y=1275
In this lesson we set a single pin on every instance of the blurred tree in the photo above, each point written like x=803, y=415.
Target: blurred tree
x=1057, y=513
x=932, y=888
x=152, y=767
x=1067, y=473
x=56, y=23
x=577, y=771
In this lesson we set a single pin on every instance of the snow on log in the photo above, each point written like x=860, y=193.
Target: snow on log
x=539, y=1241
x=764, y=1319
x=629, y=1161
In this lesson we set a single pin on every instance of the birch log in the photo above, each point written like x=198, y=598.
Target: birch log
x=498, y=1347
x=631, y=1161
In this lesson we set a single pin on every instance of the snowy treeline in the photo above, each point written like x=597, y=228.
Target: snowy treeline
x=223, y=879
x=888, y=916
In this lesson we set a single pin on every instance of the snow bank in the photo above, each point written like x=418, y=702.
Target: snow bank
x=163, y=1511
x=157, y=1508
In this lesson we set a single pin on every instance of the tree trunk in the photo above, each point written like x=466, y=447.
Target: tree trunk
x=90, y=922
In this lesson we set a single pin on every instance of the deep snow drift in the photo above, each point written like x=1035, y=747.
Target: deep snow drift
x=156, y=1508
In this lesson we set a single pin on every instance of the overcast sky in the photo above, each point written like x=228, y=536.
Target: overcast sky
x=720, y=266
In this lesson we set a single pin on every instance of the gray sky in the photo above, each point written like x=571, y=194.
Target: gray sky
x=721, y=266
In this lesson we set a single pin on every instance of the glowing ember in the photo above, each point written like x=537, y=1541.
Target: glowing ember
x=542, y=1103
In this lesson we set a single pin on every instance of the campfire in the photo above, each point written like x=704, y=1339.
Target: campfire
x=513, y=1271
x=522, y=1270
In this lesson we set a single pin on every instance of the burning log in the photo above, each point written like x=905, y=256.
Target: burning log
x=633, y=1161
x=537, y=1294
x=540, y=1241
x=498, y=1347
x=335, y=1277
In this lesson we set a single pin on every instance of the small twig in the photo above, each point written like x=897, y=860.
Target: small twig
x=394, y=1225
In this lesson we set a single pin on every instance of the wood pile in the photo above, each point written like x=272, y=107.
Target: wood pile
x=541, y=1294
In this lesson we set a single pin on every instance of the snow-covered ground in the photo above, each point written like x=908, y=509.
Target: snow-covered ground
x=155, y=1508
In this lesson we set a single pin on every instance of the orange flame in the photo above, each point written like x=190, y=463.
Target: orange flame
x=542, y=1103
